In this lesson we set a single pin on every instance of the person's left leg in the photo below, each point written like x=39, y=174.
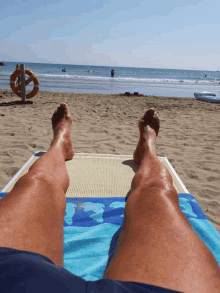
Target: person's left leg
x=32, y=213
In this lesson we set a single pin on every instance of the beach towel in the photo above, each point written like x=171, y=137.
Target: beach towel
x=92, y=227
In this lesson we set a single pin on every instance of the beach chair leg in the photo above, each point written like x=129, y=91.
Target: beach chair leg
x=157, y=245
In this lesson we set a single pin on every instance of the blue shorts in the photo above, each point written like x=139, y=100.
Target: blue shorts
x=23, y=271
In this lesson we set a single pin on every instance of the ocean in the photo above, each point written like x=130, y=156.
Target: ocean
x=97, y=79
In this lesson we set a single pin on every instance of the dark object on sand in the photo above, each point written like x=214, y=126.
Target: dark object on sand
x=112, y=73
x=16, y=103
x=2, y=64
x=128, y=94
x=63, y=70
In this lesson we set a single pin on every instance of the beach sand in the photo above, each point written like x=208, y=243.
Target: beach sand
x=189, y=135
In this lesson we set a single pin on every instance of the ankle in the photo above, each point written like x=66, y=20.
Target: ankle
x=58, y=151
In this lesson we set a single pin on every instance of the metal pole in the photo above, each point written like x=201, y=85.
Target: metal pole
x=23, y=95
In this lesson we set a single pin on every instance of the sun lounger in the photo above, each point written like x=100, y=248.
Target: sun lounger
x=96, y=198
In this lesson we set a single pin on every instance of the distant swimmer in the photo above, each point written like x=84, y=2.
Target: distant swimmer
x=112, y=73
x=63, y=70
x=205, y=75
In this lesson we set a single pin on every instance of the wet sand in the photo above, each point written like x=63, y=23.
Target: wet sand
x=189, y=135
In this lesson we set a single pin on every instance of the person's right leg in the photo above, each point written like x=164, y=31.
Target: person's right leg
x=32, y=213
x=157, y=245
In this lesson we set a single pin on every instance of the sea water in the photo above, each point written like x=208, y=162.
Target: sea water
x=97, y=79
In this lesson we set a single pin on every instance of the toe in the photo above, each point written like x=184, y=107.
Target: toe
x=148, y=115
x=62, y=112
x=57, y=116
x=54, y=118
x=150, y=118
x=66, y=110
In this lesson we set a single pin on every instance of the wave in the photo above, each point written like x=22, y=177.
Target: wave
x=93, y=77
x=129, y=79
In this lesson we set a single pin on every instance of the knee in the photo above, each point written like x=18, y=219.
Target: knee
x=161, y=189
x=154, y=191
x=34, y=179
x=36, y=183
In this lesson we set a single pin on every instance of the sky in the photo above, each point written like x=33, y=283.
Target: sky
x=178, y=34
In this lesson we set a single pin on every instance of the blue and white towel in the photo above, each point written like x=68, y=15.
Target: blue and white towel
x=92, y=227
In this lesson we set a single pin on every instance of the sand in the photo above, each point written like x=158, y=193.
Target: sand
x=189, y=135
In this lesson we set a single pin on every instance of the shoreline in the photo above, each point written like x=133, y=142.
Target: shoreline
x=189, y=135
x=113, y=86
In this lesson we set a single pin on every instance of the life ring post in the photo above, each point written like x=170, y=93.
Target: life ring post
x=19, y=86
x=23, y=94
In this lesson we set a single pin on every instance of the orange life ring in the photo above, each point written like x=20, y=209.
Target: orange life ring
x=17, y=87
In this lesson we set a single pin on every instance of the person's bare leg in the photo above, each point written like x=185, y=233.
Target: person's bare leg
x=32, y=214
x=157, y=245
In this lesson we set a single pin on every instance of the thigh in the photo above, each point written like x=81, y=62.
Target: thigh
x=158, y=246
x=31, y=218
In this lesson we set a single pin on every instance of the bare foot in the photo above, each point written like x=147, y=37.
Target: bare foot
x=61, y=121
x=149, y=127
